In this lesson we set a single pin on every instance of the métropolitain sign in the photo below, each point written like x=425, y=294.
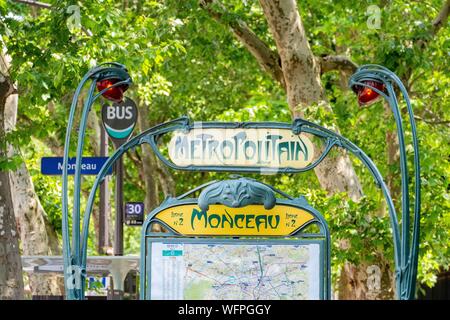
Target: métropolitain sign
x=241, y=147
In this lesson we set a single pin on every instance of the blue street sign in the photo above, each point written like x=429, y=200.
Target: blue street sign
x=89, y=165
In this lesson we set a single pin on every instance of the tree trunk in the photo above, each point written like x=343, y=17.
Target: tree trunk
x=165, y=180
x=304, y=88
x=11, y=280
x=37, y=236
x=149, y=165
x=103, y=235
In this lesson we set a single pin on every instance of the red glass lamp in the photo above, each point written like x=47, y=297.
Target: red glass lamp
x=114, y=93
x=366, y=95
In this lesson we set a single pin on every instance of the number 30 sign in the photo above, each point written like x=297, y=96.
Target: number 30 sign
x=134, y=213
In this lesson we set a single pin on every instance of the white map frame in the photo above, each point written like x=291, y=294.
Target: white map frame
x=158, y=269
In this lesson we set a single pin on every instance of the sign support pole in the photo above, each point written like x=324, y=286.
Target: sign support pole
x=103, y=229
x=368, y=76
x=119, y=120
x=118, y=238
x=73, y=255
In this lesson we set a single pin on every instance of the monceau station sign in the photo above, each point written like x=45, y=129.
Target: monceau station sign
x=220, y=220
x=238, y=147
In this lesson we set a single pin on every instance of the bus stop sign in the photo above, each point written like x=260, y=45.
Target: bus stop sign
x=119, y=120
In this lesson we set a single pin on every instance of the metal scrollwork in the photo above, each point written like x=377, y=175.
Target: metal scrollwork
x=237, y=193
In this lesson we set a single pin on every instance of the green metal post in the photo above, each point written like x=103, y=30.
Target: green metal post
x=74, y=273
x=410, y=243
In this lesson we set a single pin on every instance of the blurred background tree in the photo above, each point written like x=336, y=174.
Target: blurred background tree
x=241, y=60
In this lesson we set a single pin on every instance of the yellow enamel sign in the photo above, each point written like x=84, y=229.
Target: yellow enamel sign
x=220, y=220
x=248, y=147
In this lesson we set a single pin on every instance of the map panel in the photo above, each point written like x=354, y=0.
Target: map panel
x=224, y=271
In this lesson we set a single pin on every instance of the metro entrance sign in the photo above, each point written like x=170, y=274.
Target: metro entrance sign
x=246, y=218
x=269, y=147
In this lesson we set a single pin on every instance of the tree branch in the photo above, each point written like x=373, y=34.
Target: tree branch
x=48, y=6
x=137, y=161
x=430, y=121
x=35, y=3
x=442, y=17
x=341, y=63
x=437, y=24
x=431, y=118
x=268, y=59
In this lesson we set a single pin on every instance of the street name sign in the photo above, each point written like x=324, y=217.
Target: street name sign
x=89, y=165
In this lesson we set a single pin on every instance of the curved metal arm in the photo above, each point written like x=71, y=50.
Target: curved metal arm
x=77, y=178
x=71, y=255
x=79, y=155
x=409, y=257
x=132, y=143
x=342, y=142
x=67, y=254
